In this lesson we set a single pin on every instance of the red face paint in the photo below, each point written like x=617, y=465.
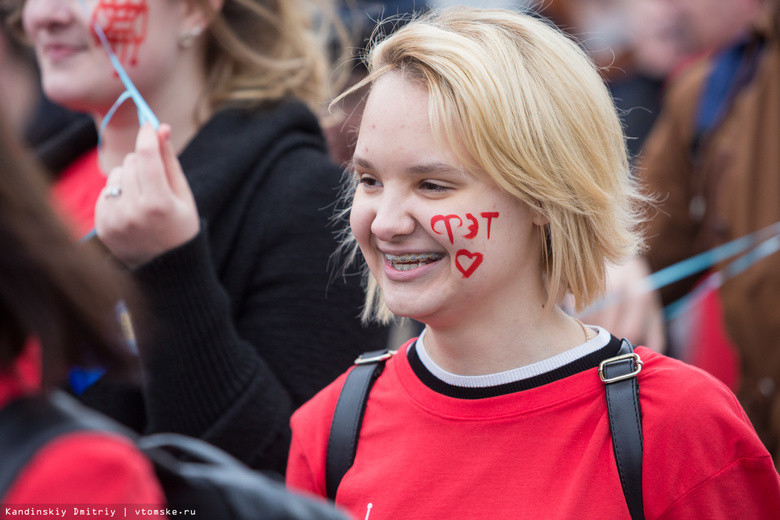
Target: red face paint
x=474, y=227
x=124, y=23
x=489, y=216
x=447, y=223
x=467, y=262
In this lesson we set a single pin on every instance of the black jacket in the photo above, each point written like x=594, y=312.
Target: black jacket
x=243, y=324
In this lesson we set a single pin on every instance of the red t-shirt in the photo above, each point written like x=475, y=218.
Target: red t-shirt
x=545, y=452
x=77, y=190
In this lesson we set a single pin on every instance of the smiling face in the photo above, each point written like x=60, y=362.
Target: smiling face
x=75, y=69
x=442, y=243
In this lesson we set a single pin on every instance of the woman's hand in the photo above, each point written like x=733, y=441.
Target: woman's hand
x=147, y=207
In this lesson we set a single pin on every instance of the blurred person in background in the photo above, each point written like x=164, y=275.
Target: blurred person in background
x=221, y=216
x=55, y=310
x=641, y=46
x=30, y=114
x=714, y=161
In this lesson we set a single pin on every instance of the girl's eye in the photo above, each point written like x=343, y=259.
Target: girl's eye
x=433, y=187
x=368, y=181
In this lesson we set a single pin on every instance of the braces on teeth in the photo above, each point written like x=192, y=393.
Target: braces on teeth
x=409, y=262
x=415, y=258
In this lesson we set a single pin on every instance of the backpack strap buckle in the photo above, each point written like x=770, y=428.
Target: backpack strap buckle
x=376, y=356
x=638, y=364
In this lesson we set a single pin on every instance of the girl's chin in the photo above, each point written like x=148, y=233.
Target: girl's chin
x=70, y=99
x=80, y=96
x=409, y=306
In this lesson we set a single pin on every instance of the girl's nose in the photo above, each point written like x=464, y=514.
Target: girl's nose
x=392, y=219
x=37, y=14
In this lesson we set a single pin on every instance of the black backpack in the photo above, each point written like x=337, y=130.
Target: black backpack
x=625, y=420
x=194, y=475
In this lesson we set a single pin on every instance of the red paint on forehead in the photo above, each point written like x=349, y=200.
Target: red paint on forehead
x=125, y=23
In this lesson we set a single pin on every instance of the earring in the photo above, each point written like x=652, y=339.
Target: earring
x=187, y=38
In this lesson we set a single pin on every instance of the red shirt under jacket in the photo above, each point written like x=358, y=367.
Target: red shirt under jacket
x=77, y=190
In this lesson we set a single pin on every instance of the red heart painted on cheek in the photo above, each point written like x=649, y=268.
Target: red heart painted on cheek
x=476, y=259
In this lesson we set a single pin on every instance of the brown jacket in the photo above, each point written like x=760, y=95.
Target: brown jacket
x=730, y=189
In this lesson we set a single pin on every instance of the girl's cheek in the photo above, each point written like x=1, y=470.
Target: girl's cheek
x=125, y=26
x=471, y=231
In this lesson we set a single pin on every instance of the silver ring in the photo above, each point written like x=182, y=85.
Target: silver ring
x=112, y=191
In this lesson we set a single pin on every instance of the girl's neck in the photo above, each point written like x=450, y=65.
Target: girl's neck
x=118, y=138
x=177, y=100
x=476, y=347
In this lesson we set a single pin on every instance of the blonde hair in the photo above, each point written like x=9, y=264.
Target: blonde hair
x=525, y=105
x=265, y=50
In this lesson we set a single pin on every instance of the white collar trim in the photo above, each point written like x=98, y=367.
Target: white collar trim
x=510, y=376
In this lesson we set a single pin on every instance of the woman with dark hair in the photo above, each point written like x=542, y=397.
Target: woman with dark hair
x=55, y=301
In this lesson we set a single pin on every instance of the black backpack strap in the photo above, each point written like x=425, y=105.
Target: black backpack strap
x=26, y=425
x=348, y=417
x=625, y=422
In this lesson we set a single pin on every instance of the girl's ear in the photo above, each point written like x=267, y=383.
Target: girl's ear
x=199, y=13
x=539, y=216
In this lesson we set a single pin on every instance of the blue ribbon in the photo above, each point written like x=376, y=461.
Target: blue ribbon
x=82, y=378
x=755, y=246
x=145, y=113
x=715, y=280
x=707, y=259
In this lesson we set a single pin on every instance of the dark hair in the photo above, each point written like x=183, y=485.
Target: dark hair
x=61, y=293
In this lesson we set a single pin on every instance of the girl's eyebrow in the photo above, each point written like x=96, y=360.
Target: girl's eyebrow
x=363, y=163
x=417, y=169
x=433, y=167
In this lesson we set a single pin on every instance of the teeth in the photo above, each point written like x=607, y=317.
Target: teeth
x=415, y=257
x=412, y=261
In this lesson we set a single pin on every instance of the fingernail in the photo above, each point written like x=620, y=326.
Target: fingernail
x=165, y=131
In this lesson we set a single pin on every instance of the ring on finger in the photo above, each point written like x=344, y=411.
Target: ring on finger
x=111, y=192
